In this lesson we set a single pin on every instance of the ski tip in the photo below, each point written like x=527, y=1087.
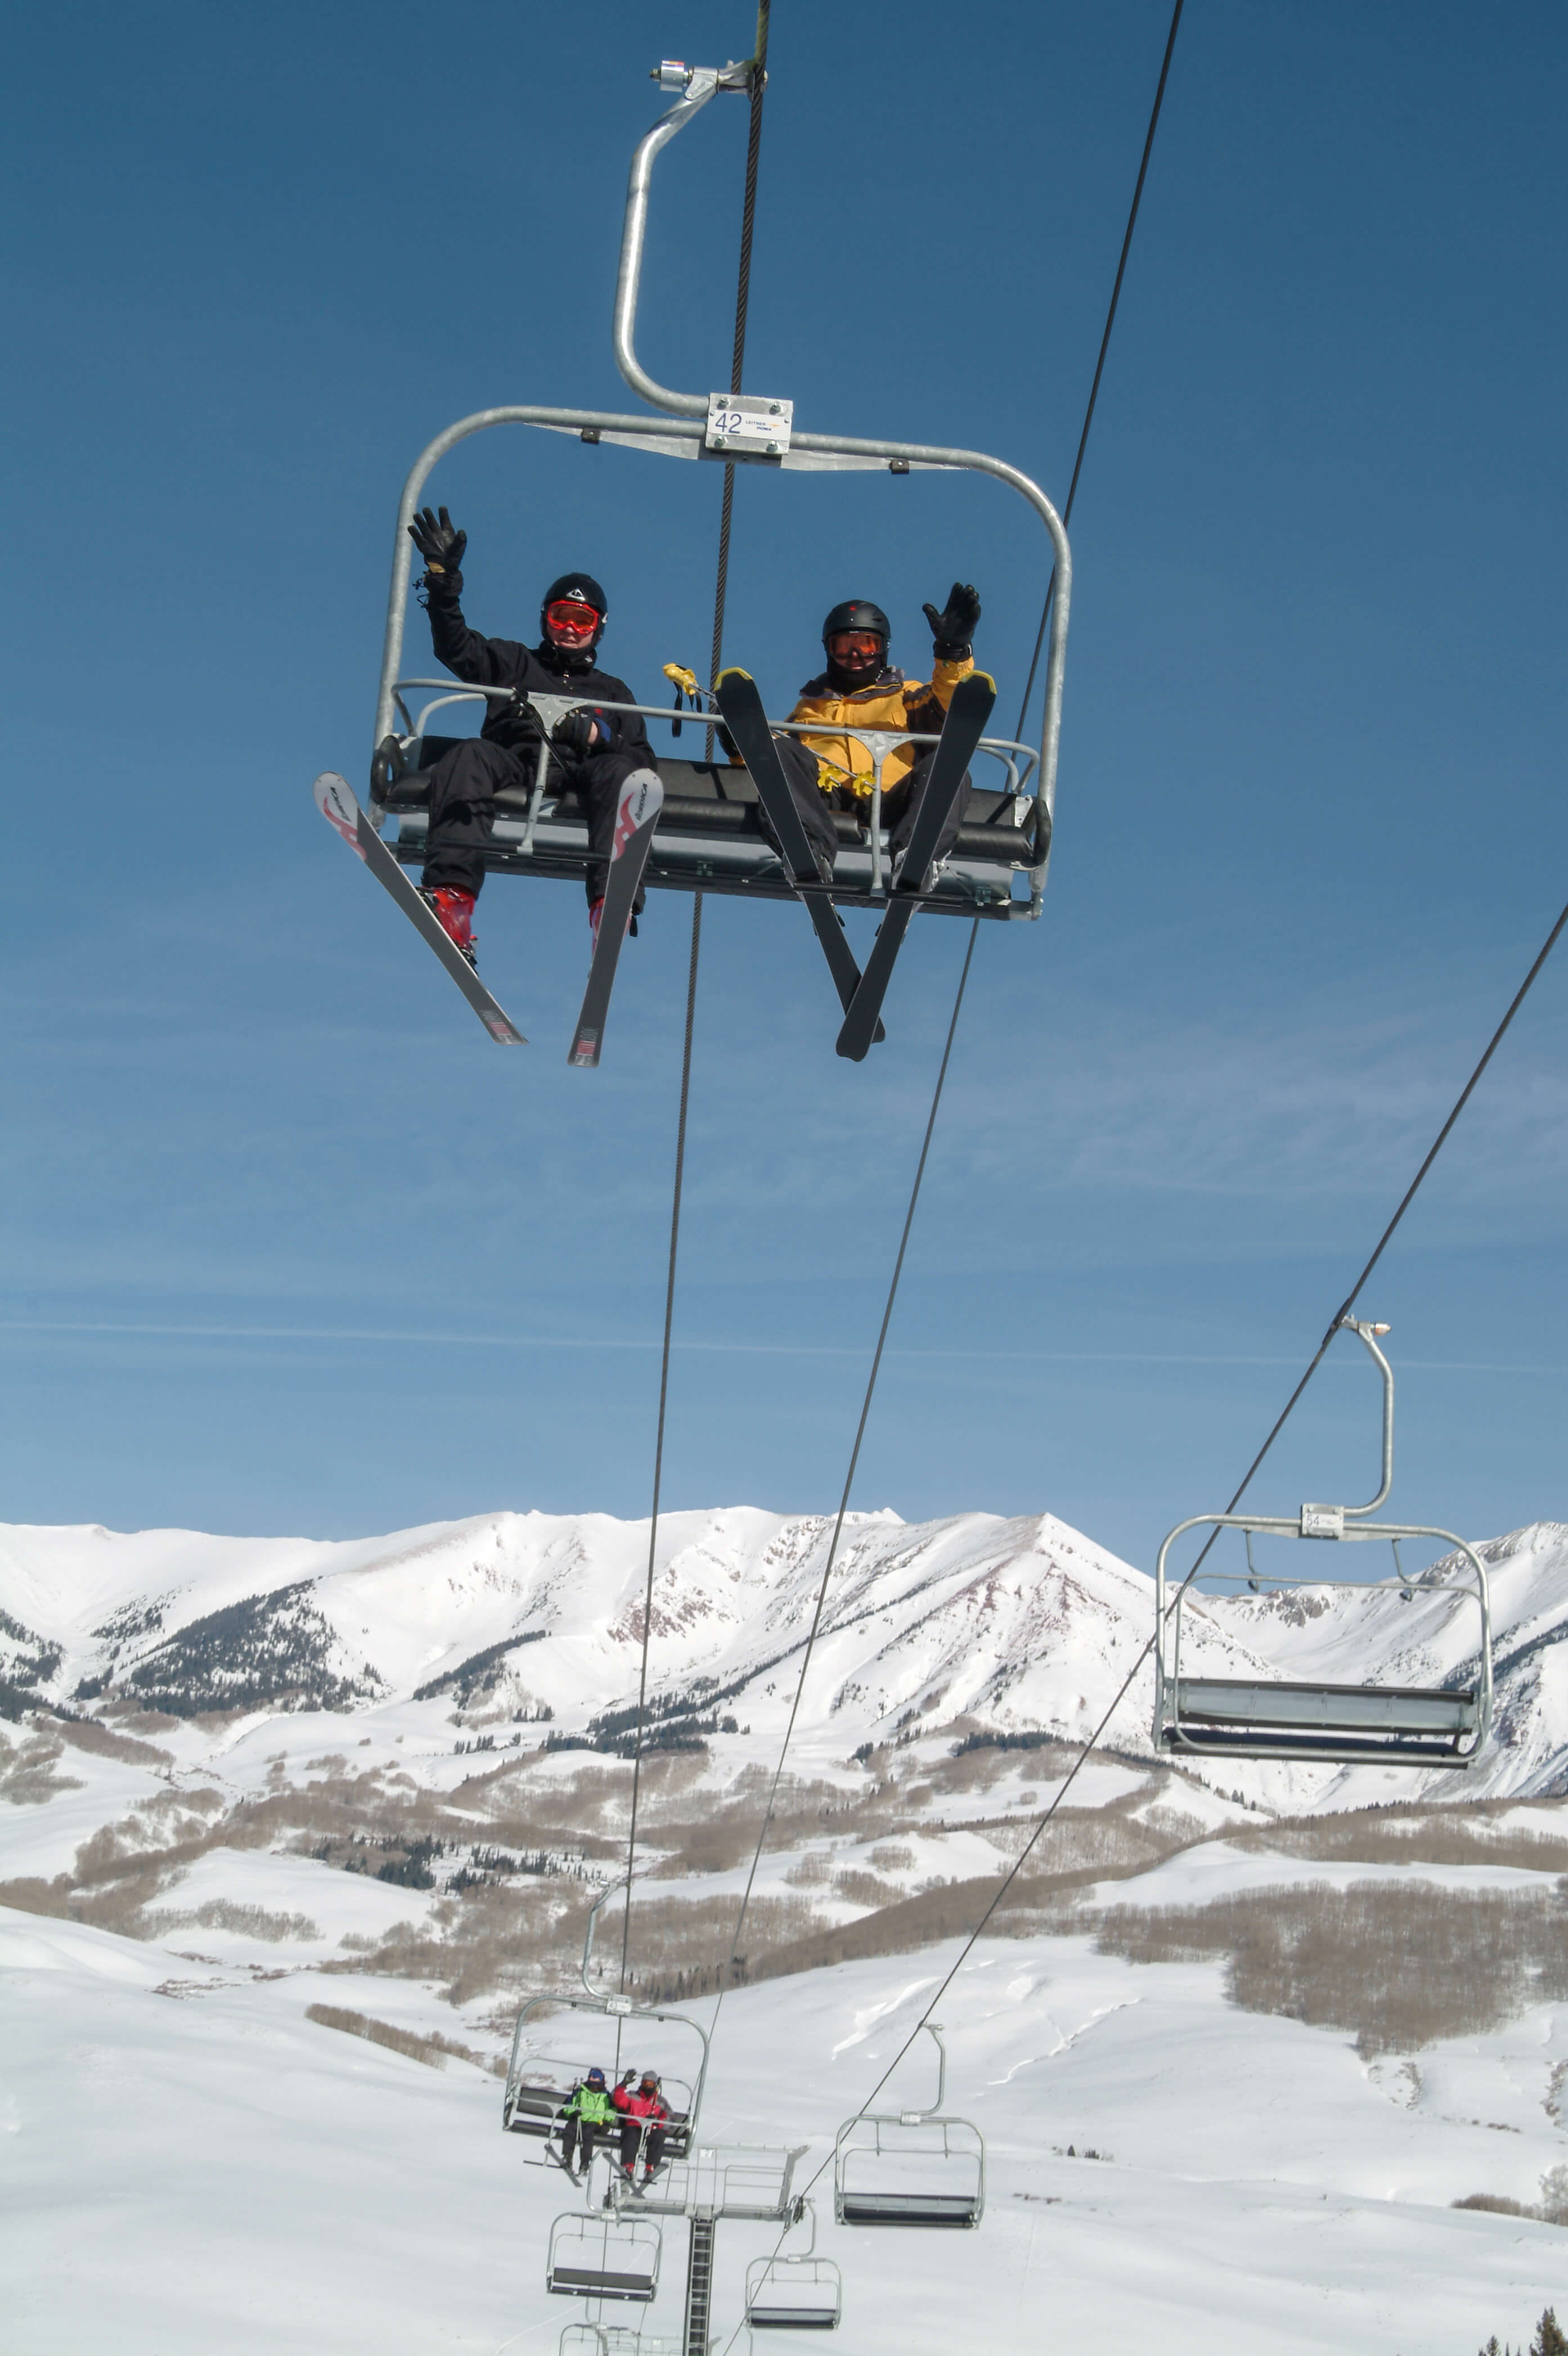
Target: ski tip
x=732, y=670
x=335, y=799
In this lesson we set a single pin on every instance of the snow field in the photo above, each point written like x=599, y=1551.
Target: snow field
x=203, y=2168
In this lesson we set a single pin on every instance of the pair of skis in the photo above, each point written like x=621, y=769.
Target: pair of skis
x=860, y=994
x=637, y=814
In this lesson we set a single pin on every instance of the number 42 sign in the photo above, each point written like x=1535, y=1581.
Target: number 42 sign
x=743, y=425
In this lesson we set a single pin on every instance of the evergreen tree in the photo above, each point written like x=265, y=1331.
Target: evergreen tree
x=1550, y=2337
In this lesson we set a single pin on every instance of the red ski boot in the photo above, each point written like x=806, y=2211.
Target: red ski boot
x=454, y=912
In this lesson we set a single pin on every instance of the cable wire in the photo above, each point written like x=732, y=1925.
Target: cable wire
x=1438, y=1142
x=1409, y=1196
x=727, y=1978
x=757, y=84
x=1104, y=348
x=659, y=1440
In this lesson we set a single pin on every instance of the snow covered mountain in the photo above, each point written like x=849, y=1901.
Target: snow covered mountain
x=511, y=1619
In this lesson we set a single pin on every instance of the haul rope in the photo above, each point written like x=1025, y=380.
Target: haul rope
x=758, y=81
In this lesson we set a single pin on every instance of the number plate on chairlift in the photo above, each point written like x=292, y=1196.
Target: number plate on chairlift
x=744, y=425
x=1322, y=1521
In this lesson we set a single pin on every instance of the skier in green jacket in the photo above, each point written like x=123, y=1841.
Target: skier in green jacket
x=586, y=2110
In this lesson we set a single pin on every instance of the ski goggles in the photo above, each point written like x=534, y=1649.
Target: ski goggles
x=569, y=617
x=856, y=646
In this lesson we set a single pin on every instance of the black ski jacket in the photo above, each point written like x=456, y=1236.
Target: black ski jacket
x=501, y=662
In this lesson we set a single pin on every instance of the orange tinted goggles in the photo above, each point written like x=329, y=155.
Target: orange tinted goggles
x=855, y=645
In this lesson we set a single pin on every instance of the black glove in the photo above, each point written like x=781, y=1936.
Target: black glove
x=953, y=627
x=438, y=540
x=630, y=2078
x=572, y=734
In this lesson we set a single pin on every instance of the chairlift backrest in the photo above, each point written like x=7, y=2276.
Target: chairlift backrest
x=1266, y=1716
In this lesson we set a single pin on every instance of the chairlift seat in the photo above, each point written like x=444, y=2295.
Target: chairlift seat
x=877, y=2207
x=709, y=832
x=1217, y=1706
x=602, y=2255
x=533, y=2102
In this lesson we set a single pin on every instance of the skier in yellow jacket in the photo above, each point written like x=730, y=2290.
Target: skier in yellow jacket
x=828, y=770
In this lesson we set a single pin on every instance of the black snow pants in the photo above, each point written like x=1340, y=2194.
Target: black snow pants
x=578, y=2136
x=898, y=803
x=463, y=788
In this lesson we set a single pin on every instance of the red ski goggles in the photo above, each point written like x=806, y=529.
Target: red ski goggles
x=856, y=646
x=570, y=618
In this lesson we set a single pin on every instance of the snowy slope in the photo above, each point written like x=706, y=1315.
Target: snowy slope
x=1012, y=1625
x=190, y=2164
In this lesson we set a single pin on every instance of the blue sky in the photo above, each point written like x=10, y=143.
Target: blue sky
x=288, y=1246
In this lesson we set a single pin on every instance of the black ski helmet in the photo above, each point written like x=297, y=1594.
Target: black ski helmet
x=857, y=613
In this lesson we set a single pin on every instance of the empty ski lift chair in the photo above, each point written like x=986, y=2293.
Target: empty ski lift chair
x=1261, y=1716
x=602, y=2255
x=535, y=2092
x=910, y=2167
x=799, y=2292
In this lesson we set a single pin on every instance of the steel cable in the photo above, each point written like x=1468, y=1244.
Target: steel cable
x=812, y=1632
x=1344, y=1310
x=759, y=81
x=958, y=1001
x=1104, y=348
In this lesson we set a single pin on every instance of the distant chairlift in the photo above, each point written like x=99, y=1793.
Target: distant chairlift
x=535, y=2091
x=798, y=2293
x=911, y=2168
x=1266, y=1717
x=602, y=2255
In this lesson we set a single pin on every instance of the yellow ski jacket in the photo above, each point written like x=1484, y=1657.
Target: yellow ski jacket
x=891, y=701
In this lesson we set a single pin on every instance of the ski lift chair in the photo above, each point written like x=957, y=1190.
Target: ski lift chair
x=708, y=835
x=535, y=2091
x=603, y=2253
x=910, y=2167
x=709, y=832
x=1262, y=1717
x=799, y=2292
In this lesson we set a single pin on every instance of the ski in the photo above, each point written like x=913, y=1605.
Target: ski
x=637, y=814
x=963, y=729
x=336, y=801
x=740, y=702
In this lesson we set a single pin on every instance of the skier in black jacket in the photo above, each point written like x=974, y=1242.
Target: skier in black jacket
x=593, y=752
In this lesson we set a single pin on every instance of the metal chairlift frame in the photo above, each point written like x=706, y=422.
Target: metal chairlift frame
x=694, y=427
x=638, y=2243
x=800, y=2266
x=851, y=2207
x=1263, y=1718
x=615, y=2340
x=611, y=2007
x=753, y=2181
